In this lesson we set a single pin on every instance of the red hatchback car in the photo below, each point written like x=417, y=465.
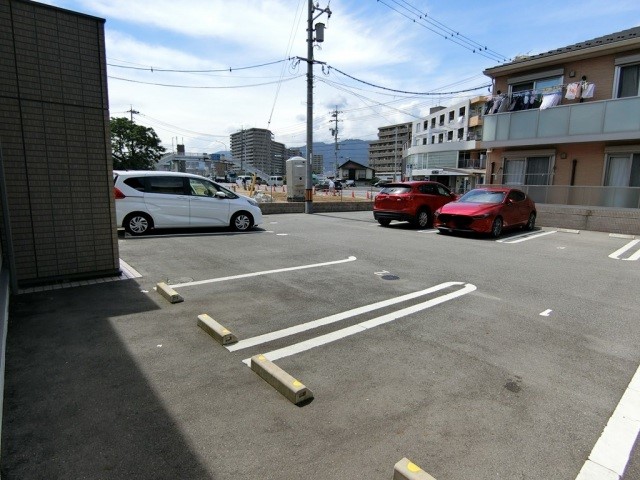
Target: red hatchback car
x=487, y=210
x=413, y=202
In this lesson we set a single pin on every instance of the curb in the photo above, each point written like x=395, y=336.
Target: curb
x=219, y=333
x=284, y=383
x=169, y=293
x=407, y=470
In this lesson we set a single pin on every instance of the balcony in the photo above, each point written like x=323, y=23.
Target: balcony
x=607, y=120
x=473, y=163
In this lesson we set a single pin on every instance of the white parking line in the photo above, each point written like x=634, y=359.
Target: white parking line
x=361, y=327
x=610, y=455
x=616, y=255
x=265, y=272
x=285, y=332
x=524, y=237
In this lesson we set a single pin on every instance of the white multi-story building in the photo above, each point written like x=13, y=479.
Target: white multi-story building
x=446, y=146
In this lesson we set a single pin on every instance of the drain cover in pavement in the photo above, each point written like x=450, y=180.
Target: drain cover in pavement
x=390, y=277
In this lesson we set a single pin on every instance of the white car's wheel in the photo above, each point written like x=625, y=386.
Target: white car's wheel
x=137, y=223
x=241, y=221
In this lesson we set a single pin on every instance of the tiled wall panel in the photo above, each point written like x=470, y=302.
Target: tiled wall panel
x=55, y=145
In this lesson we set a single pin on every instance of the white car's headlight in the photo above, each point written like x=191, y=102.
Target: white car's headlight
x=252, y=202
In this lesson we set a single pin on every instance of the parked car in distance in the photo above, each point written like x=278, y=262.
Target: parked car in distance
x=349, y=183
x=337, y=185
x=150, y=199
x=275, y=181
x=381, y=183
x=414, y=202
x=487, y=210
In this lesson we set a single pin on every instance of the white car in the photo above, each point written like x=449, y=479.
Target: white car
x=152, y=199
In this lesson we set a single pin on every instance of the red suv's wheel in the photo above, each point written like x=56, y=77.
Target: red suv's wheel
x=423, y=219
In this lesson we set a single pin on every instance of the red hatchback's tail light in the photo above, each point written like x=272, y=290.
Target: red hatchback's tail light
x=118, y=195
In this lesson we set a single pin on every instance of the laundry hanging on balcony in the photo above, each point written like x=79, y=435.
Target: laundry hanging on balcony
x=580, y=90
x=542, y=99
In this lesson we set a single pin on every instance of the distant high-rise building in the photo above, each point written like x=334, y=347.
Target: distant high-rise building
x=317, y=164
x=255, y=147
x=385, y=154
x=293, y=152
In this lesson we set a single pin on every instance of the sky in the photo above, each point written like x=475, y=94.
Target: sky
x=197, y=71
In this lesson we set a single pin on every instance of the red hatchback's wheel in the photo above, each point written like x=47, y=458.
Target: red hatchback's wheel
x=496, y=228
x=532, y=221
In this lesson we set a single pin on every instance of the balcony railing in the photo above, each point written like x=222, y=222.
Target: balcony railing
x=615, y=119
x=475, y=163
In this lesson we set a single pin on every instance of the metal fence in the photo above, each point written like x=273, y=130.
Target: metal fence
x=619, y=197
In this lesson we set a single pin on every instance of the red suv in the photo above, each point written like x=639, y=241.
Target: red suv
x=413, y=202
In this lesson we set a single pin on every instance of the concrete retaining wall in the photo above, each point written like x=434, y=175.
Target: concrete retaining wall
x=318, y=207
x=599, y=219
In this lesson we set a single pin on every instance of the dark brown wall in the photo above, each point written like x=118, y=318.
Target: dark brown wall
x=54, y=135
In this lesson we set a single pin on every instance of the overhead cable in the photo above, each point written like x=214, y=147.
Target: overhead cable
x=404, y=91
x=173, y=70
x=447, y=36
x=203, y=86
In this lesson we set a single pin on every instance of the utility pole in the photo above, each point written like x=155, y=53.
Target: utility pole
x=132, y=112
x=395, y=155
x=308, y=192
x=334, y=133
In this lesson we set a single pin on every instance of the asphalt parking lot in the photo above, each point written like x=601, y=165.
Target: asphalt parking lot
x=474, y=358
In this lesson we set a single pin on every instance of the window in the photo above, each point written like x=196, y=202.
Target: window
x=167, y=185
x=623, y=170
x=443, y=191
x=527, y=171
x=461, y=134
x=538, y=84
x=135, y=182
x=202, y=188
x=428, y=189
x=629, y=81
x=462, y=111
x=451, y=115
x=516, y=196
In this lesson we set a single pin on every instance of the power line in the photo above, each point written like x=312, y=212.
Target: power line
x=202, y=86
x=296, y=22
x=447, y=36
x=404, y=91
x=173, y=70
x=445, y=28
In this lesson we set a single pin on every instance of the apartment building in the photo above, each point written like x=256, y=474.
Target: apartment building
x=446, y=145
x=385, y=154
x=565, y=124
x=255, y=147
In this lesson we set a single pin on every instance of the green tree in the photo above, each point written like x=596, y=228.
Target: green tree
x=133, y=146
